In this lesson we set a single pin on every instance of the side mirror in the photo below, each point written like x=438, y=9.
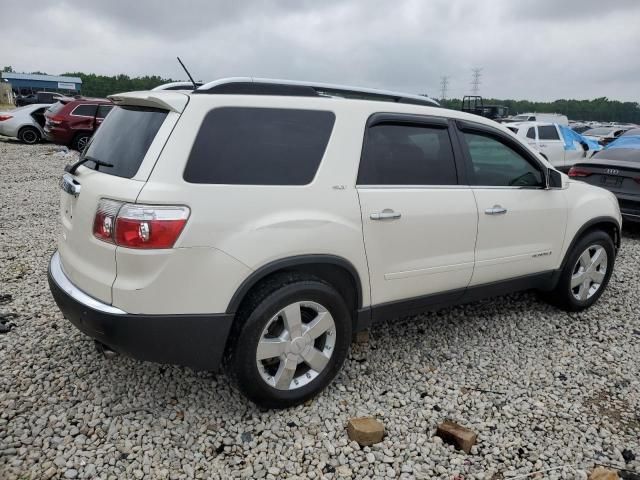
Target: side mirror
x=554, y=179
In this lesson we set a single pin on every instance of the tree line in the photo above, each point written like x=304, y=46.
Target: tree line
x=599, y=109
x=102, y=85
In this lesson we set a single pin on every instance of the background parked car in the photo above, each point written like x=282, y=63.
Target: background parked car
x=24, y=123
x=604, y=135
x=40, y=98
x=616, y=168
x=538, y=117
x=71, y=122
x=560, y=145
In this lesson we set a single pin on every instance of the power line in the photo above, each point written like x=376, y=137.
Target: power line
x=476, y=80
x=444, y=84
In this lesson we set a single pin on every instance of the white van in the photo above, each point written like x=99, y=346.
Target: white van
x=541, y=117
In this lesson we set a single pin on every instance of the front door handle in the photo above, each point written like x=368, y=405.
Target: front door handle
x=386, y=214
x=496, y=210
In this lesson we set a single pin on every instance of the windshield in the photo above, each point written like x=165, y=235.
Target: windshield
x=124, y=138
x=521, y=118
x=620, y=154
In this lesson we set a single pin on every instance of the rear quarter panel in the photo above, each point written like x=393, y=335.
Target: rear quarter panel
x=252, y=226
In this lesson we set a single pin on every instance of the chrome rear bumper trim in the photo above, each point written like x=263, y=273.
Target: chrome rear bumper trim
x=58, y=275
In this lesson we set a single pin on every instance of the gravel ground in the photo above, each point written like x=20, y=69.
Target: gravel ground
x=544, y=389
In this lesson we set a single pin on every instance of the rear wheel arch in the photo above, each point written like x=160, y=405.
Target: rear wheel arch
x=29, y=129
x=75, y=143
x=336, y=271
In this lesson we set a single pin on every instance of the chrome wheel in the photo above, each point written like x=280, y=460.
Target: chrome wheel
x=589, y=272
x=296, y=345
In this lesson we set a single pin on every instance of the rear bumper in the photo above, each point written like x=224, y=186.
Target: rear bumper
x=196, y=341
x=61, y=136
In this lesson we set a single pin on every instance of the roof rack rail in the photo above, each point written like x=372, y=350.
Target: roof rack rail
x=266, y=86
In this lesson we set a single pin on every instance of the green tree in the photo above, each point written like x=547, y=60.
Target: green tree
x=7, y=69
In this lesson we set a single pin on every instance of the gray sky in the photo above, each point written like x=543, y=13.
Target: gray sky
x=534, y=49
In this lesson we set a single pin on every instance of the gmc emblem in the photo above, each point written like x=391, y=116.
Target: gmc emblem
x=612, y=171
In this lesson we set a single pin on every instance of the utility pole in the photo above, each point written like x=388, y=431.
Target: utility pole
x=444, y=83
x=476, y=80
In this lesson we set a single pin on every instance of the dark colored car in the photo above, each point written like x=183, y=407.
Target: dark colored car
x=40, y=97
x=71, y=121
x=616, y=168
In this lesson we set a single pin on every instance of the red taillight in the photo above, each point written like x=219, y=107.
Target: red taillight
x=139, y=226
x=5, y=117
x=579, y=172
x=55, y=120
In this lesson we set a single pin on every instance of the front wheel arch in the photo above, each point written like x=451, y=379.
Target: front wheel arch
x=607, y=224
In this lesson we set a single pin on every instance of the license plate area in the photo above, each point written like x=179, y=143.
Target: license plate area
x=611, y=181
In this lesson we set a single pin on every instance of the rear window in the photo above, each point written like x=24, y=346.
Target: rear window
x=56, y=107
x=124, y=138
x=259, y=146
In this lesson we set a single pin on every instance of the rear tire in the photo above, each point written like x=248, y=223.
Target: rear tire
x=586, y=273
x=80, y=141
x=29, y=135
x=292, y=337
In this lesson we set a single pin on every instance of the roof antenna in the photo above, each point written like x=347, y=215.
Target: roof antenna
x=195, y=86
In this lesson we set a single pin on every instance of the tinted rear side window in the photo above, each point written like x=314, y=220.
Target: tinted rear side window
x=85, y=110
x=407, y=155
x=124, y=138
x=259, y=146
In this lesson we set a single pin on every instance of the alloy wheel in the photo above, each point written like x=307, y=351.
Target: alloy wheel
x=589, y=272
x=296, y=345
x=82, y=142
x=30, y=137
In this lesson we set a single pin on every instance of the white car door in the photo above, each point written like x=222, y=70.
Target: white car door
x=419, y=224
x=521, y=224
x=551, y=145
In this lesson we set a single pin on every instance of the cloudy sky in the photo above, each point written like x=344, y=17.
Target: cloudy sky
x=535, y=49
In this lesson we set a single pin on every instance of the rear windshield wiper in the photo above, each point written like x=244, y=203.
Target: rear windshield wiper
x=99, y=163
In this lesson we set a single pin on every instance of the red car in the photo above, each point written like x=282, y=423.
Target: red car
x=72, y=121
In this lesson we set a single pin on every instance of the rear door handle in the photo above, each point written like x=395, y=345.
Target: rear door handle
x=496, y=210
x=386, y=214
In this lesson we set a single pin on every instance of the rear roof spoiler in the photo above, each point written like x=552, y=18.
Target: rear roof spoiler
x=166, y=99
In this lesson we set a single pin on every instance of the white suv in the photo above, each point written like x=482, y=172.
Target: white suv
x=258, y=224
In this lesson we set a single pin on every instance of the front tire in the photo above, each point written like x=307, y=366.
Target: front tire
x=586, y=272
x=29, y=135
x=294, y=336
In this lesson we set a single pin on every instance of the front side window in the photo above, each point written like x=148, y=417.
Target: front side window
x=397, y=154
x=259, y=146
x=497, y=164
x=103, y=110
x=548, y=132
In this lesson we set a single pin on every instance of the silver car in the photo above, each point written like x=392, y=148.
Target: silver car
x=24, y=123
